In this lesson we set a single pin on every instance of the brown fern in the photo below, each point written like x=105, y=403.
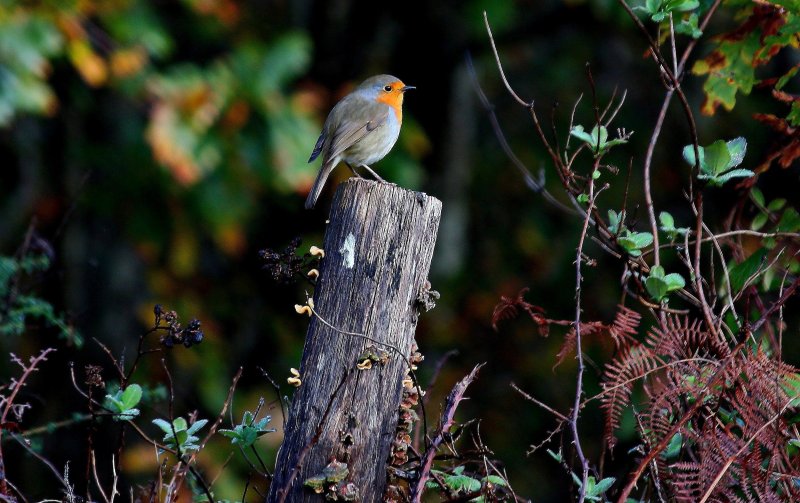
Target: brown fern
x=589, y=328
x=734, y=445
x=625, y=325
x=509, y=308
x=621, y=374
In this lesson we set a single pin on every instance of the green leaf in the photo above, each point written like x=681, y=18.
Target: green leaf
x=674, y=281
x=791, y=386
x=196, y=426
x=579, y=133
x=652, y=6
x=163, y=425
x=757, y=196
x=603, y=486
x=673, y=449
x=739, y=273
x=179, y=424
x=688, y=154
x=776, y=204
x=789, y=222
x=794, y=114
x=683, y=5
x=494, y=479
x=600, y=135
x=615, y=221
x=689, y=27
x=658, y=285
x=667, y=222
x=131, y=396
x=247, y=418
x=786, y=77
x=717, y=158
x=633, y=242
x=668, y=226
x=736, y=149
x=759, y=221
x=127, y=415
x=718, y=180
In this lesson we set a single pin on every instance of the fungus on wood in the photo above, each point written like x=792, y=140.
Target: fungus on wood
x=342, y=420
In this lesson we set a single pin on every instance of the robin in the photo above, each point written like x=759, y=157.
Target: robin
x=360, y=130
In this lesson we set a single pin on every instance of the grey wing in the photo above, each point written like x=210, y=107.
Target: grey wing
x=348, y=135
x=317, y=147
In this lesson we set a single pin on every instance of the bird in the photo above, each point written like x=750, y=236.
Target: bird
x=360, y=129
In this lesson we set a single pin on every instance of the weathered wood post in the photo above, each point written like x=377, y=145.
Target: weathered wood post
x=378, y=249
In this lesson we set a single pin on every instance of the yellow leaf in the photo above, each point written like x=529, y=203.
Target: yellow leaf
x=91, y=67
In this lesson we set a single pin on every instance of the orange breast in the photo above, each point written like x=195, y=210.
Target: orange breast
x=394, y=99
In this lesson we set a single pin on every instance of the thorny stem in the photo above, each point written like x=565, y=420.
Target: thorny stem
x=27, y=370
x=573, y=419
x=451, y=404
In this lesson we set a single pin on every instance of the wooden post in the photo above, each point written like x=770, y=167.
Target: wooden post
x=378, y=249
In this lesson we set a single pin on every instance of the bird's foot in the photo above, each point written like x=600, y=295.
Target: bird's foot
x=373, y=173
x=358, y=175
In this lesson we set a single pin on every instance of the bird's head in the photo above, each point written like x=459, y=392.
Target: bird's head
x=386, y=89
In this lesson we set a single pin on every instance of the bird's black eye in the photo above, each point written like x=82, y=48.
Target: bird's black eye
x=388, y=89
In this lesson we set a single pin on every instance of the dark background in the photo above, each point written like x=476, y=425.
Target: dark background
x=161, y=185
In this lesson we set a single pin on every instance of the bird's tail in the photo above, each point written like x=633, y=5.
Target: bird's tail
x=319, y=183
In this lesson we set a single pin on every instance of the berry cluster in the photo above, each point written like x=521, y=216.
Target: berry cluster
x=188, y=336
x=286, y=265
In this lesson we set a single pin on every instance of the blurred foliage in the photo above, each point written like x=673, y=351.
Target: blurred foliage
x=21, y=308
x=160, y=145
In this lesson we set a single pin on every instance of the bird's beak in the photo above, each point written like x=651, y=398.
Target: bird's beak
x=406, y=88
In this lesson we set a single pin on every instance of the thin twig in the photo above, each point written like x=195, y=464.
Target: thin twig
x=727, y=278
x=535, y=185
x=543, y=405
x=777, y=304
x=500, y=67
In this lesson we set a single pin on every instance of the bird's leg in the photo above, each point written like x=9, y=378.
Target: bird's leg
x=354, y=171
x=371, y=172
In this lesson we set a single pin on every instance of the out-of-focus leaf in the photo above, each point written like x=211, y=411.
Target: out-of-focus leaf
x=730, y=68
x=739, y=273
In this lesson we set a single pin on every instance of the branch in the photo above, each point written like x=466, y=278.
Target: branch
x=426, y=461
x=573, y=419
